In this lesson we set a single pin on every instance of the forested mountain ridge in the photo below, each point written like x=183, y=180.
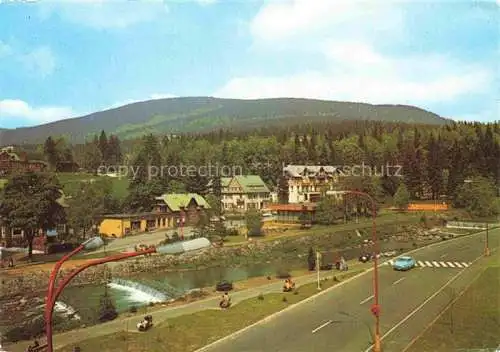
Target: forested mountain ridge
x=203, y=114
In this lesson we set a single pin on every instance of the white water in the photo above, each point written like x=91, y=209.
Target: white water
x=136, y=295
x=65, y=310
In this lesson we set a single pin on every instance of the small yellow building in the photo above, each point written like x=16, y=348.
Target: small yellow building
x=120, y=225
x=172, y=210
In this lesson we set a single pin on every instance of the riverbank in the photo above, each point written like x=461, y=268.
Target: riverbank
x=168, y=314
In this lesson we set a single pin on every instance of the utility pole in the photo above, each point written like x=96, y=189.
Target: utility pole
x=318, y=258
x=487, y=247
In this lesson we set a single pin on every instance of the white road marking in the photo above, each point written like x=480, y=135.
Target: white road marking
x=428, y=264
x=458, y=264
x=450, y=264
x=366, y=300
x=398, y=281
x=443, y=264
x=444, y=255
x=436, y=264
x=421, y=264
x=416, y=310
x=465, y=264
x=321, y=326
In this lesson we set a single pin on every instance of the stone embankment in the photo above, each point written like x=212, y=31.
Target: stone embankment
x=35, y=283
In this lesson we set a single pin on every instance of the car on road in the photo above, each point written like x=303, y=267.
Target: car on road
x=404, y=263
x=224, y=286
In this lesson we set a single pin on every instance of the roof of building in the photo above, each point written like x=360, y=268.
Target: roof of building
x=130, y=215
x=16, y=157
x=11, y=154
x=250, y=183
x=224, y=181
x=309, y=170
x=292, y=207
x=176, y=201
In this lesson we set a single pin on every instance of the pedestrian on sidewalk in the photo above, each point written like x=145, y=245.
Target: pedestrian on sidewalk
x=343, y=264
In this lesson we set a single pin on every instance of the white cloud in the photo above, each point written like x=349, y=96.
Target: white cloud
x=333, y=18
x=40, y=60
x=342, y=36
x=101, y=14
x=206, y=2
x=368, y=76
x=15, y=108
x=154, y=96
x=5, y=49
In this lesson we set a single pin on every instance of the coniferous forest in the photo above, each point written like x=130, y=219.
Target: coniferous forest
x=434, y=161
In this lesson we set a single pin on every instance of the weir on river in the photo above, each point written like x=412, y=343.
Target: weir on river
x=141, y=293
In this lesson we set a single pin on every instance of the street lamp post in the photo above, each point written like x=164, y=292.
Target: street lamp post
x=318, y=267
x=375, y=308
x=54, y=293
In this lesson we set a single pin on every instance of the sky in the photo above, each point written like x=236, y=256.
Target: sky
x=65, y=59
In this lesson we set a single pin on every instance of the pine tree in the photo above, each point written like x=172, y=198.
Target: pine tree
x=103, y=147
x=311, y=150
x=435, y=166
x=107, y=310
x=283, y=189
x=402, y=197
x=50, y=152
x=311, y=259
x=115, y=156
x=323, y=158
x=297, y=150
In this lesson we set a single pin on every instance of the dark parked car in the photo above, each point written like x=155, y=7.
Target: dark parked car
x=224, y=286
x=326, y=266
x=363, y=258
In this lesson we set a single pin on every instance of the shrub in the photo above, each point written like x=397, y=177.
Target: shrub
x=175, y=237
x=107, y=310
x=260, y=297
x=133, y=309
x=232, y=232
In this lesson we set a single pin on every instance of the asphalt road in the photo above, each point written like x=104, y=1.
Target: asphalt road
x=128, y=243
x=340, y=320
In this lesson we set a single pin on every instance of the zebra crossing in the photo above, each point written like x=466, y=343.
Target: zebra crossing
x=436, y=264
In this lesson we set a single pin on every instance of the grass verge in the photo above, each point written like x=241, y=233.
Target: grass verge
x=472, y=322
x=71, y=182
x=190, y=332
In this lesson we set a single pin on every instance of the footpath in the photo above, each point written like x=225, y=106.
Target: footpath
x=163, y=314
